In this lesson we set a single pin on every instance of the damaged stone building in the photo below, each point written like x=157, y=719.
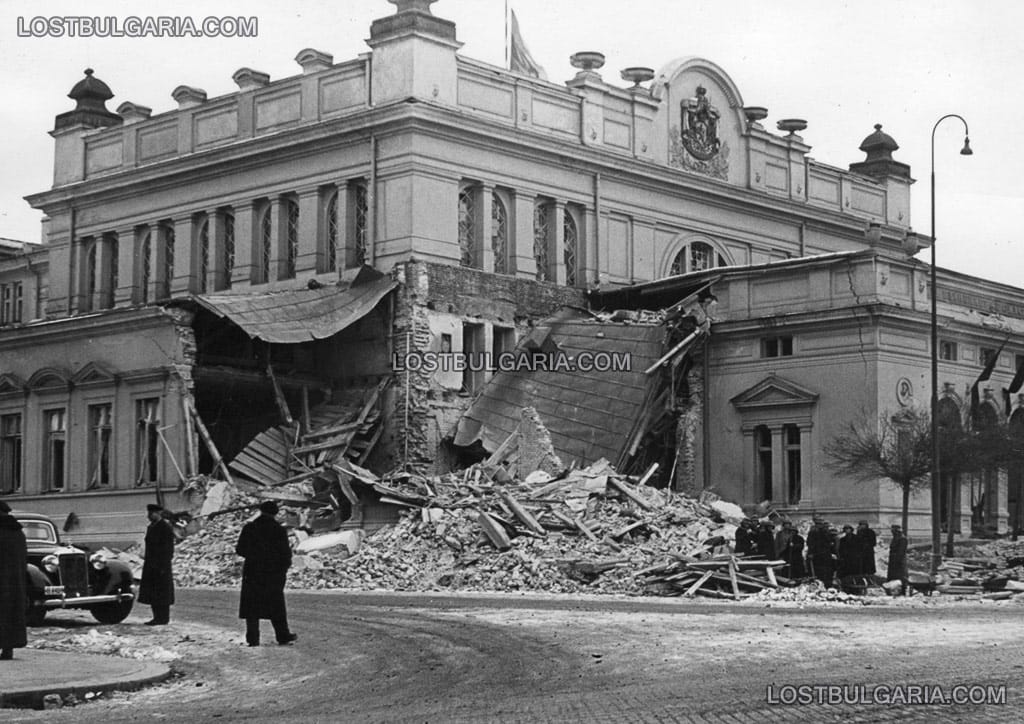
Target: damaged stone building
x=282, y=254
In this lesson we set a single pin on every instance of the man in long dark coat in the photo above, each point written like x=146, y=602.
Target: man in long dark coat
x=264, y=546
x=789, y=546
x=157, y=587
x=867, y=539
x=898, y=559
x=821, y=552
x=12, y=584
x=849, y=559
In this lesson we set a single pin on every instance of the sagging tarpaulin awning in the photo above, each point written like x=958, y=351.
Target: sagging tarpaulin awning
x=298, y=315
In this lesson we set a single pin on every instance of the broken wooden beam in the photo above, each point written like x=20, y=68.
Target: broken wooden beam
x=621, y=487
x=494, y=531
x=698, y=583
x=522, y=513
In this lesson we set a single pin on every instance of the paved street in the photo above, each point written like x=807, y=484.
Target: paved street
x=418, y=658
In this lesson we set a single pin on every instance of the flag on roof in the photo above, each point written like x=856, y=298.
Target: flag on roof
x=520, y=60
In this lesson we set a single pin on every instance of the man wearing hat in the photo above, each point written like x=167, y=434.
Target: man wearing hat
x=848, y=557
x=821, y=551
x=866, y=542
x=12, y=584
x=157, y=587
x=264, y=546
x=898, y=558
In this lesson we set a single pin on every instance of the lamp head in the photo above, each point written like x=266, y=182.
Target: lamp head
x=966, y=150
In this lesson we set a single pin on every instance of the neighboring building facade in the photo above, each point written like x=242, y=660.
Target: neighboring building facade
x=491, y=199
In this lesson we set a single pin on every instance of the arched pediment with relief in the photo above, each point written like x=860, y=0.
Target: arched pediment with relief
x=700, y=123
x=94, y=373
x=11, y=383
x=49, y=377
x=775, y=391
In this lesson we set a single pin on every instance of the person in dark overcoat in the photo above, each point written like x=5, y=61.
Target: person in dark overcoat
x=765, y=540
x=157, y=587
x=789, y=546
x=821, y=552
x=898, y=570
x=12, y=584
x=867, y=539
x=849, y=559
x=744, y=538
x=263, y=544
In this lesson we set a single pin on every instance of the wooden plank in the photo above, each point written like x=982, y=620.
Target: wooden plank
x=275, y=473
x=371, y=444
x=499, y=454
x=340, y=441
x=699, y=582
x=494, y=531
x=732, y=580
x=192, y=457
x=521, y=513
x=647, y=476
x=305, y=408
x=771, y=576
x=218, y=461
x=621, y=487
x=260, y=476
x=336, y=430
x=282, y=403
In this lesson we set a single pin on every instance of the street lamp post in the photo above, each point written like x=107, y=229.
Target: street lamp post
x=935, y=476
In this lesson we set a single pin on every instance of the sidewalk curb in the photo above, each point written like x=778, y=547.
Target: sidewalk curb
x=140, y=674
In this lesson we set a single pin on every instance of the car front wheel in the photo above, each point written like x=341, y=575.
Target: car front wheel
x=111, y=613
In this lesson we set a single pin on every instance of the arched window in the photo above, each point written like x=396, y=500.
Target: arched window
x=145, y=264
x=91, y=275
x=266, y=240
x=570, y=248
x=360, y=225
x=540, y=240
x=292, y=240
x=467, y=227
x=204, y=255
x=499, y=234
x=696, y=256
x=229, y=249
x=331, y=242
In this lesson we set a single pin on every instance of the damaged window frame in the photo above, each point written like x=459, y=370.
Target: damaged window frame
x=12, y=450
x=147, y=442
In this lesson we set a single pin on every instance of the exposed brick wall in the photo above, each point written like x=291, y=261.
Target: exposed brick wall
x=476, y=296
x=689, y=428
x=535, y=449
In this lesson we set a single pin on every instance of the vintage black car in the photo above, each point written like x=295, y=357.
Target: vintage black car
x=64, y=576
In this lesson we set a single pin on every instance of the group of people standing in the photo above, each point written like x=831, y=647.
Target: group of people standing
x=825, y=555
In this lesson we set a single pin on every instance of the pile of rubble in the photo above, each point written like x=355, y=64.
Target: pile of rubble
x=481, y=530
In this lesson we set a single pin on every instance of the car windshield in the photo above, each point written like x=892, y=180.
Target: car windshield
x=39, y=531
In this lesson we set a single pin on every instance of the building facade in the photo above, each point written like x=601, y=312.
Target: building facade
x=490, y=199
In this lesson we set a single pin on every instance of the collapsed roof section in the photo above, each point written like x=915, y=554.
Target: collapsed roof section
x=606, y=410
x=298, y=315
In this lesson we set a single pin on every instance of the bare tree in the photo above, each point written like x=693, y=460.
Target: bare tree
x=896, y=448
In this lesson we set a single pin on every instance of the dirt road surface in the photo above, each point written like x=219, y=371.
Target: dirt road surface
x=482, y=658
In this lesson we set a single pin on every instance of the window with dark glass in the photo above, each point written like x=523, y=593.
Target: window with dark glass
x=791, y=449
x=357, y=250
x=99, y=445
x=10, y=453
x=541, y=241
x=91, y=275
x=292, y=239
x=169, y=240
x=147, y=416
x=54, y=442
x=947, y=351
x=204, y=255
x=763, y=460
x=499, y=234
x=777, y=347
x=266, y=242
x=145, y=264
x=229, y=249
x=331, y=242
x=10, y=303
x=467, y=227
x=570, y=248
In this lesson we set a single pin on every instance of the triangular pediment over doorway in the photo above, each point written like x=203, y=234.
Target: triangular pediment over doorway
x=774, y=391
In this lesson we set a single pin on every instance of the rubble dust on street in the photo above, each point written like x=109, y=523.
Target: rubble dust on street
x=378, y=657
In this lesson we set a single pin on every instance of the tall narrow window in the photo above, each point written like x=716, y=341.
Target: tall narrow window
x=91, y=276
x=99, y=445
x=18, y=311
x=763, y=458
x=791, y=447
x=361, y=217
x=54, y=442
x=145, y=263
x=10, y=453
x=291, y=239
x=540, y=241
x=147, y=416
x=266, y=241
x=229, y=249
x=165, y=283
x=331, y=249
x=6, y=303
x=115, y=272
x=571, y=248
x=467, y=227
x=499, y=234
x=204, y=255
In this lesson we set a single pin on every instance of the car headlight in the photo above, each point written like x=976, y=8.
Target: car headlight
x=50, y=563
x=97, y=561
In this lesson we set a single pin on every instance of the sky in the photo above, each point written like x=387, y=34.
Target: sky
x=842, y=66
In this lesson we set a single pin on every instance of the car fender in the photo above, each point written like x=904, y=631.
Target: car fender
x=37, y=579
x=119, y=577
